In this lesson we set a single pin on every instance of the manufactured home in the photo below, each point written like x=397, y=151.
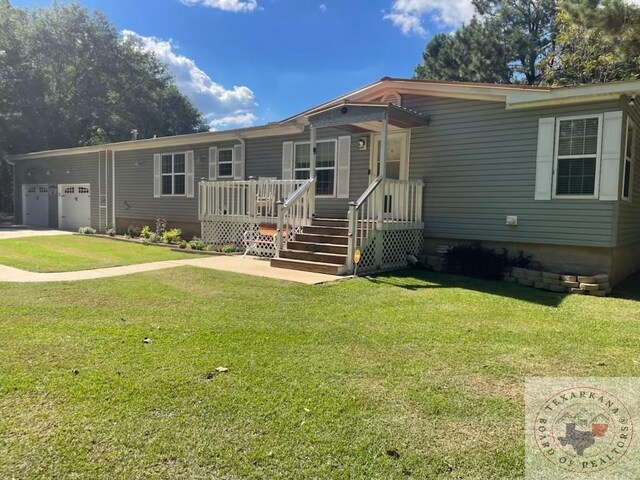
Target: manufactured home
x=396, y=168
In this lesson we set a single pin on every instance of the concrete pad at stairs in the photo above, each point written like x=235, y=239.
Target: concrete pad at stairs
x=260, y=267
x=245, y=265
x=7, y=233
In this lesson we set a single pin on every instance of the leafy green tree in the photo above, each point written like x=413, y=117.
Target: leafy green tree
x=67, y=79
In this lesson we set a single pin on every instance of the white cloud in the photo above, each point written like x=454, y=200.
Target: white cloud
x=221, y=106
x=237, y=120
x=226, y=5
x=408, y=14
x=323, y=7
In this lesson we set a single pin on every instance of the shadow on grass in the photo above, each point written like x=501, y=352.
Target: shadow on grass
x=629, y=289
x=415, y=279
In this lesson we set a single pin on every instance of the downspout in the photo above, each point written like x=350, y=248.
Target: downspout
x=113, y=188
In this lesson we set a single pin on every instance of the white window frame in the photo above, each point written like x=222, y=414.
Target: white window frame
x=631, y=159
x=598, y=155
x=230, y=162
x=334, y=168
x=173, y=174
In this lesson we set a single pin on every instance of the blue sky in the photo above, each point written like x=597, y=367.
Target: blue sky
x=249, y=62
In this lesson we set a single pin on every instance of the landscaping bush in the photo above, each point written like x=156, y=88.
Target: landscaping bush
x=476, y=261
x=183, y=244
x=161, y=225
x=146, y=232
x=172, y=236
x=110, y=231
x=153, y=238
x=133, y=231
x=87, y=231
x=197, y=244
x=229, y=248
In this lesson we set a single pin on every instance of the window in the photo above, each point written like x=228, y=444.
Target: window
x=629, y=155
x=325, y=165
x=225, y=163
x=83, y=190
x=577, y=156
x=70, y=190
x=173, y=173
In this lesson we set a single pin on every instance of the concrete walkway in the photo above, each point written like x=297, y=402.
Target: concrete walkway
x=236, y=264
x=22, y=232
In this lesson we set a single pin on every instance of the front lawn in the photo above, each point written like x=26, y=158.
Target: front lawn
x=390, y=377
x=65, y=253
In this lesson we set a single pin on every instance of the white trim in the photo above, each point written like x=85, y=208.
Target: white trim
x=596, y=186
x=335, y=163
x=634, y=133
x=173, y=174
x=113, y=188
x=230, y=162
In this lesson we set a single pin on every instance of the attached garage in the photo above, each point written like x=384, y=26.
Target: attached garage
x=35, y=201
x=74, y=206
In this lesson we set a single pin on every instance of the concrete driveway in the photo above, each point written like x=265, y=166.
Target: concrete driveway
x=19, y=231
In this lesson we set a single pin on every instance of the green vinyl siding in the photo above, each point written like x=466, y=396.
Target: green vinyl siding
x=478, y=161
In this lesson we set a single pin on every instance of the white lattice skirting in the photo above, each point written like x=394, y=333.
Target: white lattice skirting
x=388, y=250
x=217, y=234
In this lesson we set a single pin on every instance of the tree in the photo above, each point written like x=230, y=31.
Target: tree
x=67, y=79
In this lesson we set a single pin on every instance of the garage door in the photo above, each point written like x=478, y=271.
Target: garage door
x=74, y=206
x=35, y=201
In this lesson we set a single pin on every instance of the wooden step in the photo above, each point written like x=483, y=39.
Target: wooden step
x=314, y=238
x=330, y=222
x=313, y=256
x=317, y=247
x=333, y=231
x=303, y=266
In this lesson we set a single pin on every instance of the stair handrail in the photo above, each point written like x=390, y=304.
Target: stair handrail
x=355, y=210
x=296, y=211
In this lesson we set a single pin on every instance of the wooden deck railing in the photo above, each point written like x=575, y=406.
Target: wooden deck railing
x=296, y=212
x=387, y=204
x=253, y=201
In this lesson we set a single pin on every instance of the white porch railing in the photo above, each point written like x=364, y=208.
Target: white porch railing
x=246, y=201
x=296, y=212
x=387, y=204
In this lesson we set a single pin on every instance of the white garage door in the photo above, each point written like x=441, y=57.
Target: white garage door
x=74, y=206
x=35, y=201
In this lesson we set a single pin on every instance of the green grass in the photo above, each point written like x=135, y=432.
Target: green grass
x=65, y=253
x=397, y=376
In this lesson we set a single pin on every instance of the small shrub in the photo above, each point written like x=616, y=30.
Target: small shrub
x=229, y=248
x=153, y=238
x=522, y=260
x=133, y=231
x=87, y=231
x=207, y=248
x=197, y=244
x=146, y=232
x=111, y=231
x=172, y=236
x=161, y=225
x=476, y=261
x=183, y=244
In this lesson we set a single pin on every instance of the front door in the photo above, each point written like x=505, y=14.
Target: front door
x=397, y=167
x=397, y=156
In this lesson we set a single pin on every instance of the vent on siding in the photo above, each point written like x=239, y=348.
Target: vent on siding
x=392, y=97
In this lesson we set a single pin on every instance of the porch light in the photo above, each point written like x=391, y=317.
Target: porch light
x=362, y=144
x=632, y=101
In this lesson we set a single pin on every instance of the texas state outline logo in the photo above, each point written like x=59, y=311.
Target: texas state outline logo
x=581, y=429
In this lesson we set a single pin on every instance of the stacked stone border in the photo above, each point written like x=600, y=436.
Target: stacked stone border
x=596, y=285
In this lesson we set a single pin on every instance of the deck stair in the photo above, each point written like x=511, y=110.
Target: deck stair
x=320, y=248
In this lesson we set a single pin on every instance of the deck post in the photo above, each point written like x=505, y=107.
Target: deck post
x=312, y=162
x=380, y=191
x=353, y=228
x=252, y=196
x=280, y=206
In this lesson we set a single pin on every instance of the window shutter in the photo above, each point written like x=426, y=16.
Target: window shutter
x=287, y=160
x=343, y=164
x=544, y=160
x=238, y=162
x=213, y=163
x=189, y=168
x=611, y=156
x=156, y=176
